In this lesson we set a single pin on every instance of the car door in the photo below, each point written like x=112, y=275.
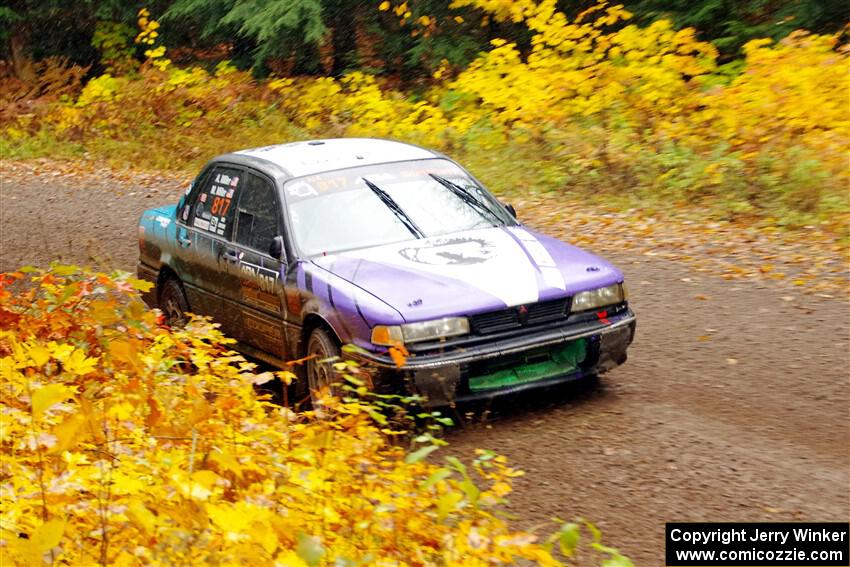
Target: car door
x=212, y=267
x=260, y=289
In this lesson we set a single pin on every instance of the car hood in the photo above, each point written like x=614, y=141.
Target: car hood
x=470, y=272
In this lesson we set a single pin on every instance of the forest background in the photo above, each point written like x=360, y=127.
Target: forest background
x=737, y=110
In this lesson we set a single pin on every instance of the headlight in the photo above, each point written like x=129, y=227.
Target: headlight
x=601, y=297
x=388, y=335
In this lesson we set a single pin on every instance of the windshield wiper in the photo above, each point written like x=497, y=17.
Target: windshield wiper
x=395, y=208
x=464, y=195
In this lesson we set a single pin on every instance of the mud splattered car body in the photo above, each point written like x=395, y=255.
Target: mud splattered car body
x=299, y=247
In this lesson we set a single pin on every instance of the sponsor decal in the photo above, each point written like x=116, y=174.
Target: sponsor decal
x=451, y=251
x=262, y=327
x=259, y=285
x=225, y=179
x=258, y=277
x=301, y=189
x=489, y=259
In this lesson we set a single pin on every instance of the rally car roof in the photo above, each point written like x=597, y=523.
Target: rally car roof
x=316, y=156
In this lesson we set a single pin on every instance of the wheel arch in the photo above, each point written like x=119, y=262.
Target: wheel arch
x=314, y=321
x=166, y=273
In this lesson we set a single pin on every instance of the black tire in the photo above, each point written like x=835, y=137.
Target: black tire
x=322, y=348
x=173, y=303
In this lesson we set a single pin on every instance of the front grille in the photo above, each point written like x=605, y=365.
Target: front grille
x=517, y=317
x=547, y=311
x=495, y=321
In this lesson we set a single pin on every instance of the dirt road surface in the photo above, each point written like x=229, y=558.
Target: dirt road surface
x=734, y=405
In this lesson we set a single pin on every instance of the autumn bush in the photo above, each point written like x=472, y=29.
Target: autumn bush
x=594, y=105
x=125, y=442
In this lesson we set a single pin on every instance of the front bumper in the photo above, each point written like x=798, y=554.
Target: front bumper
x=445, y=377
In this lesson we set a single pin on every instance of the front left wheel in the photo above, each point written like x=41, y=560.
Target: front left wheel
x=323, y=351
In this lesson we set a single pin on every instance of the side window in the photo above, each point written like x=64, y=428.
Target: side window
x=214, y=210
x=192, y=193
x=257, y=222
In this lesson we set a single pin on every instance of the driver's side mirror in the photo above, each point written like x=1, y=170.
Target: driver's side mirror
x=276, y=248
x=510, y=208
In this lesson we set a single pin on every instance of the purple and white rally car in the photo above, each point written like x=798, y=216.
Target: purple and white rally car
x=300, y=248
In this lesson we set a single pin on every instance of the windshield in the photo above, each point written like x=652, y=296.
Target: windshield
x=379, y=204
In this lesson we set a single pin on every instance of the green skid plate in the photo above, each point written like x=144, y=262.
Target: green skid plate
x=563, y=361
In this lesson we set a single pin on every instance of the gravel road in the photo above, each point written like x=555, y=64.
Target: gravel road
x=734, y=405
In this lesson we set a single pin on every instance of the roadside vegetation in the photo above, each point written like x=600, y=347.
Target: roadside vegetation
x=125, y=442
x=643, y=114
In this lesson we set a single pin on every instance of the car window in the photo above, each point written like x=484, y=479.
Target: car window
x=337, y=210
x=257, y=219
x=191, y=194
x=213, y=209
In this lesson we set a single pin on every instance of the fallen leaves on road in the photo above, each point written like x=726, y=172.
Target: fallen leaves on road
x=813, y=260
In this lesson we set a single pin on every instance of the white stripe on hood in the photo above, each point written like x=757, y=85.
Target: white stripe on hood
x=489, y=259
x=551, y=274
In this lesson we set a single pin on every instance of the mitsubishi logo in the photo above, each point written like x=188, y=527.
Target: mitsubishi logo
x=522, y=311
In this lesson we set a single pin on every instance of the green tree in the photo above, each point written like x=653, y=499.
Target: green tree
x=729, y=24
x=415, y=46
x=33, y=29
x=257, y=29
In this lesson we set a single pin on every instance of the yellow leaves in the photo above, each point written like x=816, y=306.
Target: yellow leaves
x=123, y=483
x=399, y=354
x=501, y=489
x=39, y=355
x=290, y=558
x=102, y=89
x=198, y=486
x=216, y=461
x=280, y=85
x=233, y=520
x=124, y=351
x=69, y=433
x=752, y=46
x=384, y=6
x=45, y=538
x=78, y=363
x=447, y=504
x=142, y=517
x=104, y=311
x=48, y=535
x=47, y=396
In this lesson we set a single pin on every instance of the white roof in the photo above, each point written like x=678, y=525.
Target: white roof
x=316, y=156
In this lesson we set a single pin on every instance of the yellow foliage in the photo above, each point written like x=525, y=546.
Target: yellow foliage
x=606, y=106
x=104, y=88
x=118, y=450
